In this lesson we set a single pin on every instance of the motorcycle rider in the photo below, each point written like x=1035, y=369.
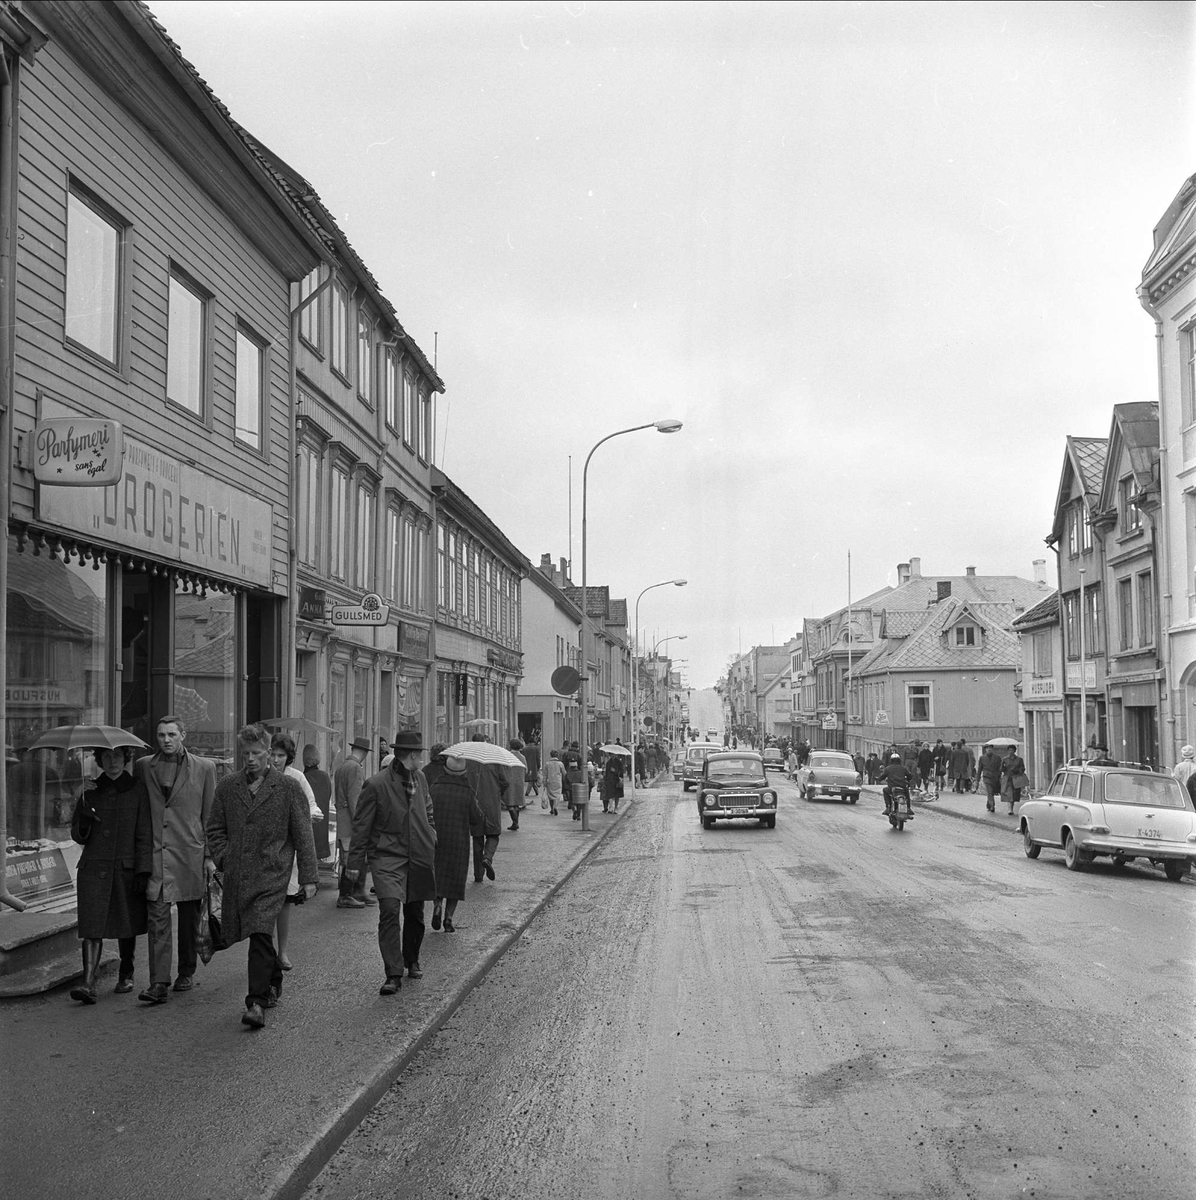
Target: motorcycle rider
x=896, y=780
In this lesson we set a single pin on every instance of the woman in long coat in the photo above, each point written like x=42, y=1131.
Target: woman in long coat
x=394, y=835
x=612, y=782
x=1013, y=768
x=457, y=813
x=112, y=823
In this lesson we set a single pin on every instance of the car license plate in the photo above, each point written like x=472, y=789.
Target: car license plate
x=737, y=812
x=1150, y=833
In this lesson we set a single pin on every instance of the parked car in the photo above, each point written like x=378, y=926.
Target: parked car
x=678, y=763
x=733, y=785
x=829, y=773
x=695, y=756
x=1116, y=811
x=774, y=759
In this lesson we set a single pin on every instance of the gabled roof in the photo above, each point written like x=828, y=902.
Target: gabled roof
x=1135, y=435
x=1083, y=460
x=928, y=647
x=774, y=683
x=1045, y=612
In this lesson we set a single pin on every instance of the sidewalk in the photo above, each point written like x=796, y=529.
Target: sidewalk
x=967, y=806
x=128, y=1100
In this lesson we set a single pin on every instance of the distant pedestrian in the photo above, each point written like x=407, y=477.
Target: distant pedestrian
x=350, y=776
x=112, y=823
x=321, y=785
x=641, y=766
x=456, y=814
x=1013, y=778
x=925, y=765
x=990, y=776
x=180, y=786
x=612, y=782
x=872, y=765
x=394, y=832
x=516, y=784
x=531, y=755
x=554, y=779
x=490, y=783
x=941, y=758
x=857, y=761
x=1186, y=767
x=259, y=823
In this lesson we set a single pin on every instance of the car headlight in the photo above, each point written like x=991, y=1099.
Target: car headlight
x=708, y=798
x=769, y=798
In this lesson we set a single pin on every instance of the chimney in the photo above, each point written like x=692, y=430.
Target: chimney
x=565, y=571
x=915, y=568
x=546, y=565
x=971, y=572
x=1040, y=570
x=902, y=573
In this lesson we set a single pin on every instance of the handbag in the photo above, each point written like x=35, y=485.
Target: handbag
x=210, y=937
x=1019, y=780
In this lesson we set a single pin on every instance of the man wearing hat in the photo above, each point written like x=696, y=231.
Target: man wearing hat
x=394, y=833
x=350, y=776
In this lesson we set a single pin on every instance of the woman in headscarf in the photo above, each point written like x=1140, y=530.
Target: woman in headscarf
x=112, y=823
x=457, y=814
x=1186, y=767
x=282, y=758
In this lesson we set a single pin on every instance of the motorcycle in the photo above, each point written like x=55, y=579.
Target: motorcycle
x=896, y=816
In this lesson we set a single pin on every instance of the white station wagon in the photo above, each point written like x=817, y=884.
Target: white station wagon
x=1117, y=811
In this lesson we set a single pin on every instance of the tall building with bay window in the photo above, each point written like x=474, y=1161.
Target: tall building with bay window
x=479, y=620
x=150, y=288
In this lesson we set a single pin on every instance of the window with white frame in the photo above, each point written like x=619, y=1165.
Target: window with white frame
x=410, y=566
x=1071, y=624
x=94, y=249
x=1085, y=529
x=917, y=703
x=1093, y=634
x=421, y=569
x=441, y=565
x=452, y=577
x=363, y=560
x=311, y=316
x=1146, y=609
x=307, y=516
x=1131, y=514
x=186, y=339
x=409, y=403
x=425, y=424
x=967, y=635
x=392, y=582
x=1044, y=659
x=249, y=390
x=1125, y=610
x=365, y=358
x=391, y=384
x=340, y=329
x=337, y=517
x=1189, y=374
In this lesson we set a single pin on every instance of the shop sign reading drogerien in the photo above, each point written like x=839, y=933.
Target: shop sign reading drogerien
x=78, y=451
x=168, y=509
x=371, y=611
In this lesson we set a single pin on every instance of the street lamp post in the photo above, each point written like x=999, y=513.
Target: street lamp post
x=665, y=426
x=635, y=669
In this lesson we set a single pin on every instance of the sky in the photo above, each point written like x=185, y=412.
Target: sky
x=880, y=260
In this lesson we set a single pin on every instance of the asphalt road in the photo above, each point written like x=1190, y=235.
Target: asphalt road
x=828, y=1009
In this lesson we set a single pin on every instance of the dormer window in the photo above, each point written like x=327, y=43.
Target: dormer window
x=967, y=635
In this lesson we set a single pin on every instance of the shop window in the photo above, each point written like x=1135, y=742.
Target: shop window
x=338, y=697
x=250, y=357
x=205, y=674
x=186, y=337
x=361, y=702
x=58, y=663
x=94, y=248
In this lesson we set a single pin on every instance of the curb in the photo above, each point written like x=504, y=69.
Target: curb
x=976, y=820
x=293, y=1179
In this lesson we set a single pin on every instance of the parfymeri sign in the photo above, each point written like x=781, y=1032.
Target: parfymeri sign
x=78, y=451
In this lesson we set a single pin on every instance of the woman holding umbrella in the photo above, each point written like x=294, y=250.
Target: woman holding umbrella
x=457, y=815
x=112, y=823
x=612, y=782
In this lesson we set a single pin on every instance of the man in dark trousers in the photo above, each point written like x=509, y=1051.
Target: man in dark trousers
x=531, y=752
x=990, y=776
x=350, y=776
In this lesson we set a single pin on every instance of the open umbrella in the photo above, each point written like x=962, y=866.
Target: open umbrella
x=1001, y=742
x=615, y=749
x=479, y=721
x=483, y=752
x=298, y=724
x=76, y=737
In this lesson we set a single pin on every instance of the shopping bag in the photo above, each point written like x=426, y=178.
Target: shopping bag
x=211, y=938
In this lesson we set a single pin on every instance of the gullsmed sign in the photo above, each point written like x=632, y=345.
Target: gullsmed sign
x=371, y=611
x=78, y=451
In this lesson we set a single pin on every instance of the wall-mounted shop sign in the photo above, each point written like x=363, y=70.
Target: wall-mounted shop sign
x=168, y=509
x=78, y=451
x=503, y=658
x=369, y=611
x=414, y=641
x=35, y=872
x=830, y=721
x=1048, y=689
x=1073, y=675
x=312, y=603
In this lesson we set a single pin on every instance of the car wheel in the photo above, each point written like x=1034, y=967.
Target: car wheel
x=1031, y=847
x=1075, y=858
x=707, y=822
x=1176, y=869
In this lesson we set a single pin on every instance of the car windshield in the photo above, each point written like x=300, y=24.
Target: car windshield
x=840, y=762
x=733, y=768
x=1152, y=791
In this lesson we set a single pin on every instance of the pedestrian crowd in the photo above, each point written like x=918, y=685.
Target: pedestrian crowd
x=234, y=857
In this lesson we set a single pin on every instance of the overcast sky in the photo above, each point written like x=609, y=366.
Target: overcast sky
x=880, y=259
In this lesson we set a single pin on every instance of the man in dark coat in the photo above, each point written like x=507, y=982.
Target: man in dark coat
x=350, y=776
x=180, y=786
x=531, y=753
x=490, y=783
x=925, y=765
x=260, y=820
x=990, y=776
x=394, y=833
